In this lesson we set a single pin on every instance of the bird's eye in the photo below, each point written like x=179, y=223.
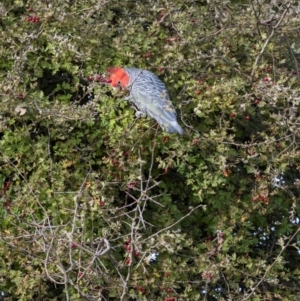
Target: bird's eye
x=119, y=82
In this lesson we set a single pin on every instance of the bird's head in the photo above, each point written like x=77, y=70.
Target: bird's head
x=117, y=77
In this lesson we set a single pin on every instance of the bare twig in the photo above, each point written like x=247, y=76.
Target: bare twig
x=268, y=40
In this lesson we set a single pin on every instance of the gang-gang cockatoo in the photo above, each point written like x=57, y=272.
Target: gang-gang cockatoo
x=148, y=93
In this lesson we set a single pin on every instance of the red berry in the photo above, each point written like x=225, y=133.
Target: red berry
x=132, y=184
x=108, y=81
x=175, y=39
x=207, y=275
x=7, y=204
x=29, y=19
x=256, y=101
x=75, y=245
x=7, y=185
x=35, y=19
x=30, y=9
x=160, y=69
x=91, y=78
x=247, y=117
x=147, y=55
x=20, y=96
x=165, y=139
x=168, y=40
x=127, y=261
x=232, y=115
x=269, y=70
x=141, y=289
x=127, y=247
x=80, y=274
x=198, y=92
x=101, y=203
x=201, y=82
x=167, y=274
x=266, y=200
x=266, y=79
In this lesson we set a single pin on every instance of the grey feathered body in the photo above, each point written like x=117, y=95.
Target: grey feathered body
x=150, y=96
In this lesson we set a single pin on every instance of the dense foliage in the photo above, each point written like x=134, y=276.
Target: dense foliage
x=98, y=205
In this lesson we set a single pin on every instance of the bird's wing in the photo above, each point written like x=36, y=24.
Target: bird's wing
x=155, y=103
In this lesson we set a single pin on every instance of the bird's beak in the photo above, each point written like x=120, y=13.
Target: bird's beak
x=116, y=89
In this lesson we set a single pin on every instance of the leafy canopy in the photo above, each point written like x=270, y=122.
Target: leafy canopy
x=98, y=205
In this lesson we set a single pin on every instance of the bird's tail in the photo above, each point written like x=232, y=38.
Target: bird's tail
x=172, y=127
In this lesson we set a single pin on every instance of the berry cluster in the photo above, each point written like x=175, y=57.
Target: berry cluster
x=127, y=247
x=261, y=198
x=207, y=275
x=33, y=19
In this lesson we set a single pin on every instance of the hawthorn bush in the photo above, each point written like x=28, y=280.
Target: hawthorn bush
x=98, y=205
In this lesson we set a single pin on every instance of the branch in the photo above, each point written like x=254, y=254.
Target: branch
x=271, y=266
x=268, y=40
